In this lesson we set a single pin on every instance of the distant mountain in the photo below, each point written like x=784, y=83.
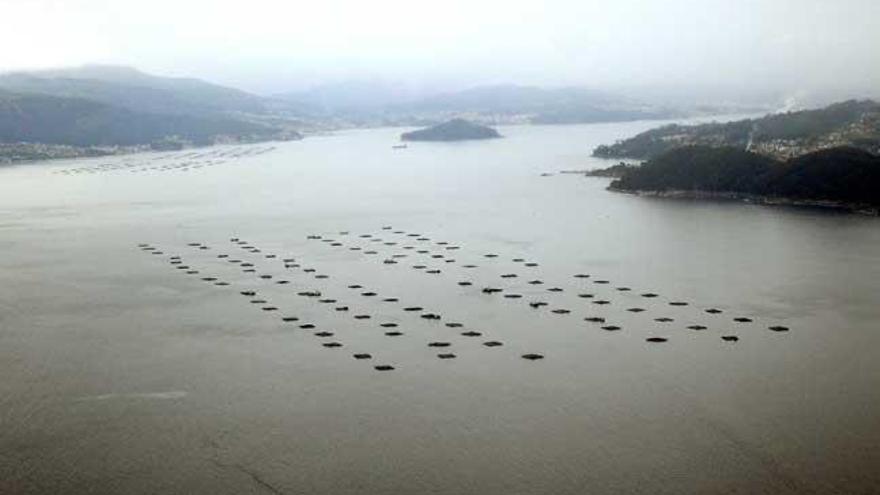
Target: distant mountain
x=454, y=130
x=350, y=98
x=129, y=88
x=840, y=176
x=37, y=118
x=119, y=107
x=786, y=135
x=384, y=103
x=539, y=105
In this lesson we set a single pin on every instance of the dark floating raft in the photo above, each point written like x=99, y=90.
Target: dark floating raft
x=394, y=334
x=778, y=328
x=532, y=357
x=664, y=319
x=635, y=310
x=742, y=319
x=362, y=356
x=537, y=304
x=388, y=325
x=611, y=328
x=323, y=334
x=446, y=356
x=678, y=303
x=649, y=294
x=383, y=367
x=332, y=344
x=656, y=339
x=555, y=289
x=471, y=333
x=595, y=319
x=729, y=338
x=413, y=308
x=454, y=325
x=713, y=311
x=696, y=327
x=561, y=311
x=439, y=344
x=289, y=318
x=492, y=343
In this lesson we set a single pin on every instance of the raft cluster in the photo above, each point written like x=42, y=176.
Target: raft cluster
x=519, y=282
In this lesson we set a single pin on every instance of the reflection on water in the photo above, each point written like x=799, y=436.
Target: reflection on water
x=536, y=333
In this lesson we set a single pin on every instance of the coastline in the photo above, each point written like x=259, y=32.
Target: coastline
x=76, y=153
x=861, y=209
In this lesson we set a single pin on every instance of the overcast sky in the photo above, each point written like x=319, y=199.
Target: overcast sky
x=271, y=46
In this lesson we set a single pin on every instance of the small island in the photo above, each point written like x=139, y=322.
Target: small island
x=841, y=177
x=454, y=130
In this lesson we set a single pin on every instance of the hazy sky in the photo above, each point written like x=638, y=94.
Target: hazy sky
x=270, y=46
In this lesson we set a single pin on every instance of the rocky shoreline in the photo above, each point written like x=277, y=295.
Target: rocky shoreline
x=862, y=209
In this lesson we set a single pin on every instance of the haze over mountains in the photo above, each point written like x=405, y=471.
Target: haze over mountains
x=115, y=106
x=506, y=103
x=100, y=106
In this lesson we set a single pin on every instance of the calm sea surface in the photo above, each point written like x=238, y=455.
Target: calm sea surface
x=123, y=372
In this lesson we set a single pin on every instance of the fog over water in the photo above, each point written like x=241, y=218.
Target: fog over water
x=123, y=373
